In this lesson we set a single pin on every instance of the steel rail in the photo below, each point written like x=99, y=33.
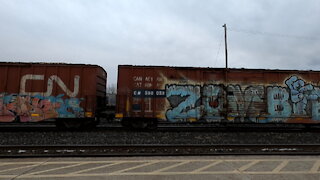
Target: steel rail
x=158, y=150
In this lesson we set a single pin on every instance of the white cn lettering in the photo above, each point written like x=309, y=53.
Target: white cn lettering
x=52, y=78
x=137, y=78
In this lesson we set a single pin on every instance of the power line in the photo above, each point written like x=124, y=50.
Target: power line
x=218, y=51
x=275, y=34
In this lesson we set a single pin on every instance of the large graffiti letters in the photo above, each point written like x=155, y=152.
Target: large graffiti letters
x=278, y=103
x=257, y=103
x=304, y=97
x=24, y=108
x=235, y=101
x=299, y=92
x=208, y=102
x=183, y=100
x=254, y=102
x=212, y=99
x=247, y=104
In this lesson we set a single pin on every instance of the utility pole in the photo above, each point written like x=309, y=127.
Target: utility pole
x=225, y=44
x=226, y=73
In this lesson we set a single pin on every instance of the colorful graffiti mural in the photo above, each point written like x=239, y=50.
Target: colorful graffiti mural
x=38, y=106
x=256, y=103
x=26, y=108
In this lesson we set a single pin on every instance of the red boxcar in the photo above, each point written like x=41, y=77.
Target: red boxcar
x=32, y=92
x=147, y=94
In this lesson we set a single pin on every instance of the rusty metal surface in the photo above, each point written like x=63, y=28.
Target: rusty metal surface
x=31, y=92
x=184, y=94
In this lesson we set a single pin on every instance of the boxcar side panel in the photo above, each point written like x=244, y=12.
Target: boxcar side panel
x=176, y=94
x=31, y=92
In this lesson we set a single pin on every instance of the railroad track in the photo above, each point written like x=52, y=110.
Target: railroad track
x=18, y=127
x=158, y=150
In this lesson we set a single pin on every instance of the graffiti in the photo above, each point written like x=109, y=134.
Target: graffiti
x=258, y=103
x=254, y=102
x=301, y=96
x=30, y=77
x=235, y=101
x=315, y=104
x=208, y=102
x=247, y=104
x=212, y=99
x=25, y=108
x=299, y=91
x=278, y=102
x=183, y=100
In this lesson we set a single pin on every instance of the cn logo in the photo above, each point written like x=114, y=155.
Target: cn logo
x=32, y=77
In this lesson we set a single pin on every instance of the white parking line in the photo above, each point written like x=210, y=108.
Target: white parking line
x=207, y=166
x=54, y=169
x=95, y=168
x=280, y=166
x=172, y=166
x=21, y=167
x=247, y=166
x=135, y=167
x=315, y=166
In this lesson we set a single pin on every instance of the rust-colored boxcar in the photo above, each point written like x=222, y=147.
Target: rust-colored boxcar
x=183, y=94
x=32, y=92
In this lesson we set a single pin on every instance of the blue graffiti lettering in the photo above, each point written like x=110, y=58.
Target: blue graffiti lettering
x=299, y=94
x=278, y=105
x=186, y=108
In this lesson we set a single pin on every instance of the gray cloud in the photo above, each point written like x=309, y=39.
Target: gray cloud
x=162, y=32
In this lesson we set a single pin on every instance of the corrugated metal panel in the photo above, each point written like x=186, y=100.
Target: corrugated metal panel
x=35, y=92
x=180, y=94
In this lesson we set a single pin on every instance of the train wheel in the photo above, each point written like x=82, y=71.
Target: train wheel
x=69, y=124
x=153, y=124
x=90, y=123
x=125, y=122
x=59, y=124
x=144, y=124
x=140, y=124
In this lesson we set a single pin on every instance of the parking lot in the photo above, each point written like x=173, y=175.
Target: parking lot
x=187, y=167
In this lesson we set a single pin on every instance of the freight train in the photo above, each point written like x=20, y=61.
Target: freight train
x=74, y=95
x=151, y=94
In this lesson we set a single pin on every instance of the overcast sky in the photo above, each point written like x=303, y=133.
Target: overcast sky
x=276, y=34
